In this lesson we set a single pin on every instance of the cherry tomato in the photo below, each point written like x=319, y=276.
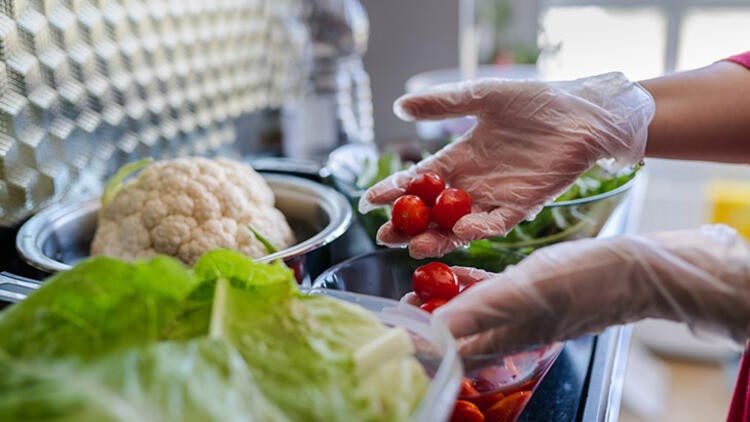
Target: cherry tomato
x=509, y=408
x=426, y=186
x=410, y=215
x=528, y=385
x=485, y=401
x=432, y=304
x=434, y=281
x=467, y=390
x=450, y=206
x=466, y=411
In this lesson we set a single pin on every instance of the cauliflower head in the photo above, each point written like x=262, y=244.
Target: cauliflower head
x=188, y=206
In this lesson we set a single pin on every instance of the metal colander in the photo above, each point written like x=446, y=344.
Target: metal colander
x=86, y=86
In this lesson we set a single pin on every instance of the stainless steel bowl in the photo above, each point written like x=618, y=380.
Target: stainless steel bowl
x=59, y=236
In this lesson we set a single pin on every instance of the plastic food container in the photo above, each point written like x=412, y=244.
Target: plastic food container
x=59, y=236
x=504, y=384
x=435, y=349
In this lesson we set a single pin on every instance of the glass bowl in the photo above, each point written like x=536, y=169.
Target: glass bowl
x=434, y=344
x=563, y=220
x=503, y=384
x=569, y=217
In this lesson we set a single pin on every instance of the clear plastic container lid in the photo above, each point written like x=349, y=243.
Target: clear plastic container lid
x=387, y=273
x=434, y=345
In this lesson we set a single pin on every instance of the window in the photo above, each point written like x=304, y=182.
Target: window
x=710, y=34
x=644, y=38
x=586, y=40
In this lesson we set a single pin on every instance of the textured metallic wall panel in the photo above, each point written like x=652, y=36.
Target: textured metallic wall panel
x=87, y=85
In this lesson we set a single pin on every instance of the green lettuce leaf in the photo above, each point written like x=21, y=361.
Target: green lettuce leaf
x=270, y=248
x=199, y=380
x=100, y=305
x=303, y=347
x=230, y=340
x=241, y=271
x=194, y=313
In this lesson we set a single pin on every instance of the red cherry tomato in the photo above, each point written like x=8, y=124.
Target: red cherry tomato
x=509, y=408
x=434, y=281
x=432, y=304
x=486, y=401
x=410, y=215
x=450, y=206
x=466, y=411
x=529, y=385
x=426, y=186
x=467, y=390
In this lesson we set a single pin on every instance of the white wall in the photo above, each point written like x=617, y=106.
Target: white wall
x=406, y=37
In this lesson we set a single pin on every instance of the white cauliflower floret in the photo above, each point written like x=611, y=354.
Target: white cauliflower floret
x=188, y=206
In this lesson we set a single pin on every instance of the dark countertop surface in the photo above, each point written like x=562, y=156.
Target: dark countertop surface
x=585, y=383
x=559, y=395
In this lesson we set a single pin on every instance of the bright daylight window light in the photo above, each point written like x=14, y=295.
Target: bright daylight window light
x=708, y=35
x=596, y=39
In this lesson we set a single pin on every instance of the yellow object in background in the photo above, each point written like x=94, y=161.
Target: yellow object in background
x=730, y=204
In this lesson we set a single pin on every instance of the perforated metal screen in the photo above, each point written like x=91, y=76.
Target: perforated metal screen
x=86, y=86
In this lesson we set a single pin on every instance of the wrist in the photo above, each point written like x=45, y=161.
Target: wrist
x=626, y=110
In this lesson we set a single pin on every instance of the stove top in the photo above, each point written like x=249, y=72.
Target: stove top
x=10, y=260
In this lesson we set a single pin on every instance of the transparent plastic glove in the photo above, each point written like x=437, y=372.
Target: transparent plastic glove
x=531, y=141
x=700, y=277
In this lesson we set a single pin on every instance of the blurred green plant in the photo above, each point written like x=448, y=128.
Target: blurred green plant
x=497, y=45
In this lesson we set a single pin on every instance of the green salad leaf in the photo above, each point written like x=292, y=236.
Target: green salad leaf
x=194, y=313
x=558, y=223
x=231, y=339
x=270, y=248
x=99, y=306
x=483, y=254
x=319, y=337
x=198, y=380
x=258, y=308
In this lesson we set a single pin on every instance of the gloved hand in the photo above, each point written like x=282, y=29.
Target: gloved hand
x=700, y=277
x=531, y=141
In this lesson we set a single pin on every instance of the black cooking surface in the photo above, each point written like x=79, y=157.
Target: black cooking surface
x=10, y=261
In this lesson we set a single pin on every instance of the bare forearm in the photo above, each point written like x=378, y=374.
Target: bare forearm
x=703, y=114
